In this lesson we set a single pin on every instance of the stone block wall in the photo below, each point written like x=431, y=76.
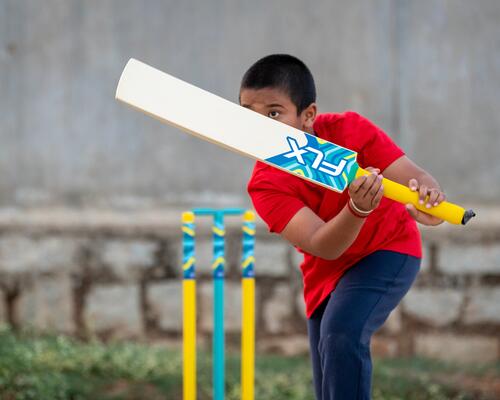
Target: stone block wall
x=118, y=276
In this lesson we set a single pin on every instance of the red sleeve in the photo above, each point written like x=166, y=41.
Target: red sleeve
x=274, y=199
x=375, y=148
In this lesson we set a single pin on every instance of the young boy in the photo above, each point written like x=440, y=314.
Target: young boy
x=361, y=251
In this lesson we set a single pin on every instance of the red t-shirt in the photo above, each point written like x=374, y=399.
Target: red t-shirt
x=277, y=196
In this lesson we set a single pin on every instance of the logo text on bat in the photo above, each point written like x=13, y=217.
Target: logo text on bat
x=319, y=162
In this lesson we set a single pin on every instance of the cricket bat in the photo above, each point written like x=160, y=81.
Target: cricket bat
x=217, y=120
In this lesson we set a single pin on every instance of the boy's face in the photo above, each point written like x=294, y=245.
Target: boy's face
x=276, y=104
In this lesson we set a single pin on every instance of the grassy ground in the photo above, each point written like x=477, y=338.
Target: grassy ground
x=57, y=367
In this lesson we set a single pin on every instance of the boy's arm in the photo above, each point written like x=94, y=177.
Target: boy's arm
x=406, y=172
x=330, y=239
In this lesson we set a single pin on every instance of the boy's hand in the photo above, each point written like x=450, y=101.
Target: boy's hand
x=430, y=197
x=367, y=191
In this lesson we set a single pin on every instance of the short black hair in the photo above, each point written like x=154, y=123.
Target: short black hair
x=285, y=72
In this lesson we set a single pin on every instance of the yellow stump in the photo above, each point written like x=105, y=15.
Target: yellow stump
x=188, y=308
x=248, y=308
x=189, y=339
x=248, y=339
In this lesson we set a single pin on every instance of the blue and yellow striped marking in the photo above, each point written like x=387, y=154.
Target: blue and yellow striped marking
x=218, y=231
x=218, y=262
x=189, y=263
x=248, y=230
x=218, y=237
x=188, y=243
x=188, y=230
x=246, y=262
x=248, y=259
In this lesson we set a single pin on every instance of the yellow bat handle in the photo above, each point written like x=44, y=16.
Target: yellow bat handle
x=449, y=212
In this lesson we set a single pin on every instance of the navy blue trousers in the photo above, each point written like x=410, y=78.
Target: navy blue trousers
x=341, y=328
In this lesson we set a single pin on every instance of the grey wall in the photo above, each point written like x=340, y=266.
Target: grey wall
x=427, y=72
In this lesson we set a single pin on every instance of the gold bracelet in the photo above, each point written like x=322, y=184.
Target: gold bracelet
x=364, y=213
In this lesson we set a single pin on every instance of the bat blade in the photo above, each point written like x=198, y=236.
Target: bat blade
x=227, y=124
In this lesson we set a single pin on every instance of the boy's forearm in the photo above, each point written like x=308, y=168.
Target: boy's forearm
x=428, y=180
x=332, y=239
x=403, y=170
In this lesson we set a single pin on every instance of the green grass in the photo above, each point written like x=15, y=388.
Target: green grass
x=58, y=367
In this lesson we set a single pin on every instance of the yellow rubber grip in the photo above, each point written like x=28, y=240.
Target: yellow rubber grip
x=449, y=212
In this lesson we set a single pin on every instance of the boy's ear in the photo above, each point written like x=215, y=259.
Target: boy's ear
x=308, y=116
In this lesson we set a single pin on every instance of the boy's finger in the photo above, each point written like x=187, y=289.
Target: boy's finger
x=356, y=184
x=378, y=197
x=375, y=186
x=367, y=184
x=422, y=194
x=433, y=197
x=440, y=199
x=413, y=185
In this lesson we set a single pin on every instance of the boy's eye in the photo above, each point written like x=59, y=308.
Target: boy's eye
x=273, y=114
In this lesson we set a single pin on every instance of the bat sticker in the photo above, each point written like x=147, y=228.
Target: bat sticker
x=319, y=160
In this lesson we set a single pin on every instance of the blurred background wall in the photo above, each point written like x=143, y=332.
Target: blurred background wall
x=89, y=191
x=426, y=71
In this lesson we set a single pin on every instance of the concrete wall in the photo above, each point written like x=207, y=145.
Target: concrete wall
x=426, y=71
x=119, y=275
